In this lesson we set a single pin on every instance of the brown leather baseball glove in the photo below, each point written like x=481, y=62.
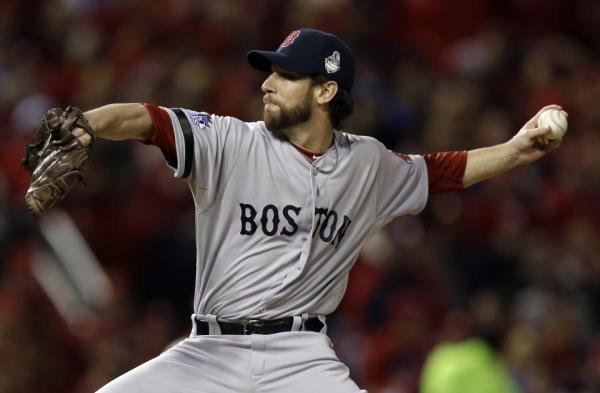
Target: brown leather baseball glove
x=55, y=158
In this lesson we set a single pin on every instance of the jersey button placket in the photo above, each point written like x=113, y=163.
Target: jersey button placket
x=308, y=237
x=295, y=270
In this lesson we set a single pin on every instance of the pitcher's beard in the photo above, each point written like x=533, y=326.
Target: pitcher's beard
x=287, y=117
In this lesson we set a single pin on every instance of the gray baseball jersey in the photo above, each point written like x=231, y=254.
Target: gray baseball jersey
x=277, y=234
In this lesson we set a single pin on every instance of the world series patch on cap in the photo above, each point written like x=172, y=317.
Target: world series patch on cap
x=310, y=52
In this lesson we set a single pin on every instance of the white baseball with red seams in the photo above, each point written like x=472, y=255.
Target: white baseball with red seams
x=556, y=120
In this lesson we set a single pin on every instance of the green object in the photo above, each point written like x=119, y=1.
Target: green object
x=469, y=366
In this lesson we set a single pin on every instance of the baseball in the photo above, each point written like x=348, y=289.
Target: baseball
x=556, y=120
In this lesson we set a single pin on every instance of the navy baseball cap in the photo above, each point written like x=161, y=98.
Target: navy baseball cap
x=311, y=52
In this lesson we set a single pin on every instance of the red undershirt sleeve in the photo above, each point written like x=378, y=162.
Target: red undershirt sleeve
x=164, y=137
x=445, y=171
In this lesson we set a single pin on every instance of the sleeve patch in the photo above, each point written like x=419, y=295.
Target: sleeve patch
x=201, y=119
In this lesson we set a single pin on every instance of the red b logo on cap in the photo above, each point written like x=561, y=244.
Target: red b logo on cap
x=290, y=38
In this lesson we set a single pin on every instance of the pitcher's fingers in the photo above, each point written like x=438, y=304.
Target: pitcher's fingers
x=85, y=139
x=77, y=132
x=538, y=132
x=554, y=144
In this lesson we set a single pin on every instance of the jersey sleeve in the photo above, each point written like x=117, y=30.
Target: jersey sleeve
x=402, y=184
x=163, y=137
x=199, y=147
x=445, y=171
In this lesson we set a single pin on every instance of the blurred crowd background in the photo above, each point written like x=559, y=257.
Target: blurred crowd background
x=513, y=262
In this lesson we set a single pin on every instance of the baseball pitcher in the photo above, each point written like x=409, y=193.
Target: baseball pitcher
x=282, y=208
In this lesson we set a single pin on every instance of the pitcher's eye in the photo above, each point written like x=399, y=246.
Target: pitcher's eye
x=289, y=75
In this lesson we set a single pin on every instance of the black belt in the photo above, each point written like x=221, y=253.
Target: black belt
x=257, y=326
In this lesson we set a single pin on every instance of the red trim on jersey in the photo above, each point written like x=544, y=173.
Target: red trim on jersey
x=446, y=171
x=164, y=136
x=307, y=153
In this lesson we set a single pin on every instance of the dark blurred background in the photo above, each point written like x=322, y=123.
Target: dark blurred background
x=515, y=260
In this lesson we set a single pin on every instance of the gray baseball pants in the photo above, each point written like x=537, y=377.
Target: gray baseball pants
x=289, y=362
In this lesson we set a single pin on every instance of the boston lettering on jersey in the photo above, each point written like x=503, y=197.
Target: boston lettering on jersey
x=330, y=227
